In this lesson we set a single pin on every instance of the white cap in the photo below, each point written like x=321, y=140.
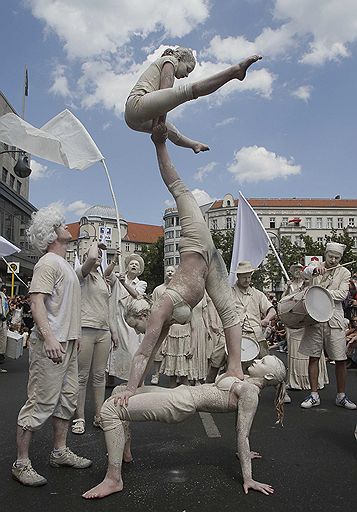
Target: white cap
x=335, y=247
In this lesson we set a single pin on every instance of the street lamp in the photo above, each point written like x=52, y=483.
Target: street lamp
x=22, y=168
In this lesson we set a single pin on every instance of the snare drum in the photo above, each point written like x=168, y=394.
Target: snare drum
x=306, y=307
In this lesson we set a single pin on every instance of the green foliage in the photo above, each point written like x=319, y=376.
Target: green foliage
x=154, y=264
x=224, y=242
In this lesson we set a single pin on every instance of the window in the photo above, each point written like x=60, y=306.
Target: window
x=169, y=248
x=284, y=221
x=169, y=261
x=169, y=222
x=272, y=222
x=329, y=223
x=319, y=222
x=176, y=247
x=170, y=234
x=127, y=247
x=228, y=203
x=308, y=223
x=12, y=181
x=177, y=260
x=320, y=239
x=297, y=240
x=137, y=248
x=351, y=222
x=177, y=233
x=177, y=223
x=214, y=224
x=18, y=186
x=340, y=222
x=355, y=241
x=228, y=222
x=5, y=173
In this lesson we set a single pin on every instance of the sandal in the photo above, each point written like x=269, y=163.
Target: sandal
x=78, y=426
x=97, y=422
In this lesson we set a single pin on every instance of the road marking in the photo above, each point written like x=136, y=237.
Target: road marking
x=209, y=424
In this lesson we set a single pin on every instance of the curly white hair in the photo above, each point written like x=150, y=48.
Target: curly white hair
x=42, y=230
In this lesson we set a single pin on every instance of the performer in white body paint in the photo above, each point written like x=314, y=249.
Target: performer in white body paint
x=228, y=394
x=201, y=268
x=153, y=95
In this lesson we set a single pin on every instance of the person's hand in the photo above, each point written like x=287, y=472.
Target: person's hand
x=101, y=245
x=189, y=353
x=319, y=271
x=164, y=351
x=255, y=455
x=351, y=345
x=257, y=486
x=159, y=133
x=121, y=278
x=122, y=398
x=116, y=256
x=115, y=341
x=264, y=322
x=54, y=350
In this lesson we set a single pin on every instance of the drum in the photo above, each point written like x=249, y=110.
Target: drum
x=250, y=349
x=306, y=307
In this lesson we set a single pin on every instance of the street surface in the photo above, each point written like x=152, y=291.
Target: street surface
x=191, y=467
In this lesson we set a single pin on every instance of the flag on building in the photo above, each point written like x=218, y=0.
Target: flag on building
x=251, y=241
x=26, y=81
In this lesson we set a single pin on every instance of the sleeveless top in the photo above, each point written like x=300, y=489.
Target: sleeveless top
x=214, y=397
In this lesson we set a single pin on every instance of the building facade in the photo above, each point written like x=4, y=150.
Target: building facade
x=290, y=218
x=15, y=211
x=100, y=223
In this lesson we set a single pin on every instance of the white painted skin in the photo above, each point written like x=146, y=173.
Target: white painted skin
x=159, y=404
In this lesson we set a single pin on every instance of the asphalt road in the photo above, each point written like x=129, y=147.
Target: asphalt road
x=311, y=461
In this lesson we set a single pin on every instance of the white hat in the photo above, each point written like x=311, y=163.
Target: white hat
x=244, y=267
x=137, y=258
x=335, y=247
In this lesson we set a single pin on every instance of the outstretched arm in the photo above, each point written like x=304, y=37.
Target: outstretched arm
x=247, y=406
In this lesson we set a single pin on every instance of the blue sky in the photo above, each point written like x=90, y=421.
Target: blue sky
x=288, y=130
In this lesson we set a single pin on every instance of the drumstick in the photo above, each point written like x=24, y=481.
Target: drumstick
x=343, y=265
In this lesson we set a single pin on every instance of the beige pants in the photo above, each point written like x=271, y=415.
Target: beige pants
x=92, y=359
x=52, y=388
x=3, y=337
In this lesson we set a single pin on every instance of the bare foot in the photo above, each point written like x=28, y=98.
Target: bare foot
x=200, y=147
x=244, y=65
x=103, y=489
x=127, y=456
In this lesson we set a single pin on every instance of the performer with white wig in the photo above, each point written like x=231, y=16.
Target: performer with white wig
x=329, y=336
x=53, y=373
x=153, y=95
x=228, y=394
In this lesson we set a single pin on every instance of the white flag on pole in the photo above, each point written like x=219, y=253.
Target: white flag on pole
x=7, y=248
x=251, y=241
x=63, y=139
x=77, y=263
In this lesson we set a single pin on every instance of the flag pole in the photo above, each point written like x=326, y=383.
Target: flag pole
x=286, y=275
x=25, y=92
x=116, y=209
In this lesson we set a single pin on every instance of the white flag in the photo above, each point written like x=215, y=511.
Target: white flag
x=251, y=241
x=63, y=140
x=7, y=248
x=77, y=263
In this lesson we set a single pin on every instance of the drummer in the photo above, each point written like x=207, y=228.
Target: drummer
x=254, y=309
x=329, y=336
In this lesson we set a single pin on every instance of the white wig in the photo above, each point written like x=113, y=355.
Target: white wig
x=42, y=230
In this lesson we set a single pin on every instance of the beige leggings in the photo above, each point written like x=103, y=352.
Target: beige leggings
x=141, y=110
x=92, y=358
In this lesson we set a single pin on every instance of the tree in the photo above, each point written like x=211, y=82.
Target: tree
x=224, y=243
x=153, y=256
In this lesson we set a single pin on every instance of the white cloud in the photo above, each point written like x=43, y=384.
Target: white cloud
x=77, y=207
x=329, y=24
x=303, y=92
x=170, y=203
x=202, y=197
x=225, y=122
x=202, y=172
x=39, y=171
x=253, y=164
x=60, y=83
x=91, y=27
